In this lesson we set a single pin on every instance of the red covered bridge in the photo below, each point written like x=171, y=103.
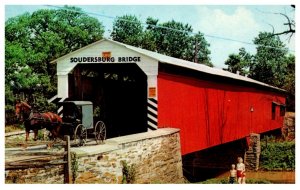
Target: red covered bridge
x=212, y=110
x=139, y=90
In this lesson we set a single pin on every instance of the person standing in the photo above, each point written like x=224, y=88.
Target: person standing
x=241, y=171
x=232, y=175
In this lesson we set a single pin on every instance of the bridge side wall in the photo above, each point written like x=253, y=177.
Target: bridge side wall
x=210, y=113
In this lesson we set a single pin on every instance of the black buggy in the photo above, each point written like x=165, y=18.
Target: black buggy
x=78, y=122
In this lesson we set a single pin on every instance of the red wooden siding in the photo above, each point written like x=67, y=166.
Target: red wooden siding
x=208, y=113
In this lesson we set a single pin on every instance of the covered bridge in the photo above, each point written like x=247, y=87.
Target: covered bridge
x=135, y=90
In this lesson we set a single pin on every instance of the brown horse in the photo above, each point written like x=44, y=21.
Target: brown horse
x=36, y=121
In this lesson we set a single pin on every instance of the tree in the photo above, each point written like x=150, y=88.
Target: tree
x=240, y=62
x=17, y=73
x=170, y=38
x=290, y=23
x=234, y=63
x=148, y=41
x=174, y=39
x=49, y=34
x=32, y=41
x=197, y=50
x=289, y=82
x=285, y=74
x=269, y=65
x=127, y=29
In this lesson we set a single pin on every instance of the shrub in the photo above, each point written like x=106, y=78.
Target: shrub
x=129, y=172
x=278, y=156
x=41, y=104
x=10, y=117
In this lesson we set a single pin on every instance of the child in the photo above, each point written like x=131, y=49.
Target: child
x=232, y=175
x=241, y=175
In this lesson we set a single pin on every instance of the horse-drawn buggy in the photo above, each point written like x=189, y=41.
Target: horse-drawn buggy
x=77, y=121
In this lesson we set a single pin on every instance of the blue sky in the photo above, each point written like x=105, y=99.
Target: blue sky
x=237, y=22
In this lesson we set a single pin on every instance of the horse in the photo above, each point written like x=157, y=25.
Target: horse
x=36, y=121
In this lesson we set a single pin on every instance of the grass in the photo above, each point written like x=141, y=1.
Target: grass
x=13, y=128
x=19, y=142
x=225, y=181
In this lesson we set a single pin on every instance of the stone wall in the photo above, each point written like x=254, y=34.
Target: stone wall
x=154, y=157
x=251, y=157
x=47, y=175
x=288, y=129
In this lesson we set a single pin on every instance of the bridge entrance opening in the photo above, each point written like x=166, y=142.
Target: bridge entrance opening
x=118, y=93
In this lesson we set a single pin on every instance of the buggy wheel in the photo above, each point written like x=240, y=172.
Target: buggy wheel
x=80, y=135
x=100, y=132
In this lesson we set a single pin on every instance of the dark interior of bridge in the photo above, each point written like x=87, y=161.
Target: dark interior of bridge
x=118, y=93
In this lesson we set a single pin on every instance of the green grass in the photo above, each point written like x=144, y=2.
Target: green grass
x=225, y=181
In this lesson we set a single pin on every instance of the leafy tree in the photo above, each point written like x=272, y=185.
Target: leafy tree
x=240, y=62
x=269, y=65
x=197, y=50
x=127, y=29
x=170, y=38
x=173, y=38
x=49, y=34
x=18, y=74
x=174, y=41
x=33, y=40
x=289, y=82
x=234, y=63
x=148, y=41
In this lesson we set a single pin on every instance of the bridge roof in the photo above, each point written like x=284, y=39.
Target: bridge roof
x=194, y=66
x=179, y=62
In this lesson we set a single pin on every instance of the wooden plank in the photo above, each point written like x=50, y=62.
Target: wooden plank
x=67, y=178
x=17, y=166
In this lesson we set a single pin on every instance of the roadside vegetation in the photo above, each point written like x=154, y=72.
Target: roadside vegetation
x=276, y=155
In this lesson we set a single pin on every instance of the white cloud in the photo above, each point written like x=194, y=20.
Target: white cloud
x=239, y=24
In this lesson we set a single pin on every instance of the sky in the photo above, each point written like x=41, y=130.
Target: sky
x=237, y=23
